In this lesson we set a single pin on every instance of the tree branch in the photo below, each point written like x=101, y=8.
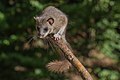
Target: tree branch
x=71, y=58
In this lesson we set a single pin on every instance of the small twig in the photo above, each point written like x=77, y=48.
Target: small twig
x=71, y=58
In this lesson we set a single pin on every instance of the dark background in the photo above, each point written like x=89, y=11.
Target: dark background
x=93, y=32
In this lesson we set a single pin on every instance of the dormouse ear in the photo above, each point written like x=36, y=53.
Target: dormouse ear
x=37, y=18
x=50, y=21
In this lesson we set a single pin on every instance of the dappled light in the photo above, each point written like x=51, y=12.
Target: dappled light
x=93, y=32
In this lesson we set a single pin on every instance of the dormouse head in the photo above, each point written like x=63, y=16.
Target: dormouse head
x=44, y=26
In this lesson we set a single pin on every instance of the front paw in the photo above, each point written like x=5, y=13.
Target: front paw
x=57, y=36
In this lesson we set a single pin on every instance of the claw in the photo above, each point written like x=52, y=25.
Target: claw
x=57, y=36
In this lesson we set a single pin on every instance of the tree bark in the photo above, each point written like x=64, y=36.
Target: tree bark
x=72, y=58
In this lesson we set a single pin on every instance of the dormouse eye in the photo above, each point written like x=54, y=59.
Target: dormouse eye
x=45, y=29
x=38, y=28
x=50, y=21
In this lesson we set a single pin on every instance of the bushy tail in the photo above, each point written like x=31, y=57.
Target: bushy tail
x=59, y=66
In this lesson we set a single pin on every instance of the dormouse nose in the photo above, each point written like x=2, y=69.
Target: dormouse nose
x=40, y=34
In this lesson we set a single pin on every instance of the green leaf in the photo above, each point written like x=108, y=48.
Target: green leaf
x=36, y=4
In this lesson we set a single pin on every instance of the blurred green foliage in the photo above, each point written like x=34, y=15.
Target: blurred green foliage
x=93, y=24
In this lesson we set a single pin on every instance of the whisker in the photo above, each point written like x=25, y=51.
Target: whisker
x=30, y=40
x=47, y=44
x=51, y=45
x=58, y=50
x=34, y=37
x=29, y=36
